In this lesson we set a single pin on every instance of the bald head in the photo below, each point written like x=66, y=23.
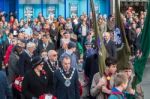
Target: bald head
x=52, y=55
x=107, y=36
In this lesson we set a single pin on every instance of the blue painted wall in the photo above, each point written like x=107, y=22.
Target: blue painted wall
x=62, y=8
x=81, y=5
x=59, y=9
x=8, y=5
x=36, y=7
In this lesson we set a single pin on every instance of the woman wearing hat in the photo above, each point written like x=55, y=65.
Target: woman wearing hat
x=35, y=81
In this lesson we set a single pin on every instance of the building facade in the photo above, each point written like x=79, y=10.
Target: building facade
x=138, y=5
x=66, y=8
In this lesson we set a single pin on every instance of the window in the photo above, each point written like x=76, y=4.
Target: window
x=51, y=1
x=29, y=1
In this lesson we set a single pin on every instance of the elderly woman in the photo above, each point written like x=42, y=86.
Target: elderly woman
x=35, y=81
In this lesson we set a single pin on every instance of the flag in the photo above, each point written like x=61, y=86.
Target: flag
x=99, y=41
x=140, y=62
x=123, y=49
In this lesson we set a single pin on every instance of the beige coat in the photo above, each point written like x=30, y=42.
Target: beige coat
x=94, y=90
x=139, y=91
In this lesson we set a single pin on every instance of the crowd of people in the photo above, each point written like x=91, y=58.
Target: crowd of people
x=49, y=58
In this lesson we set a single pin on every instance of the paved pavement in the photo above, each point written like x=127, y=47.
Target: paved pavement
x=146, y=81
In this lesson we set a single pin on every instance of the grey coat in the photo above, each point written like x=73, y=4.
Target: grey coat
x=12, y=67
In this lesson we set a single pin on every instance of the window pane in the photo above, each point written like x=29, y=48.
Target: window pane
x=51, y=1
x=29, y=1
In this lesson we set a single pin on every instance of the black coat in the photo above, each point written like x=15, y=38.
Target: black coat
x=91, y=66
x=111, y=49
x=137, y=42
x=40, y=47
x=24, y=63
x=50, y=75
x=54, y=35
x=63, y=92
x=33, y=85
x=131, y=36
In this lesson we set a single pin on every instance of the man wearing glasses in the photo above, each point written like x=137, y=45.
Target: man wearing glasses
x=50, y=66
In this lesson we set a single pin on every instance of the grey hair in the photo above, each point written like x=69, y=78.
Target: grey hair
x=50, y=52
x=64, y=56
x=31, y=44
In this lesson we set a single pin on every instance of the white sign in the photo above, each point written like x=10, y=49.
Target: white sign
x=28, y=11
x=73, y=9
x=51, y=10
x=96, y=8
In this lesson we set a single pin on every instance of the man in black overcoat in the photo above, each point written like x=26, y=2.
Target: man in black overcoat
x=66, y=82
x=50, y=66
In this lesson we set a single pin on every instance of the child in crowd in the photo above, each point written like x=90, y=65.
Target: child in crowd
x=120, y=82
x=101, y=86
x=130, y=92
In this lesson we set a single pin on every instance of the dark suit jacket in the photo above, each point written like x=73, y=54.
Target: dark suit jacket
x=24, y=63
x=54, y=34
x=49, y=47
x=137, y=42
x=50, y=74
x=91, y=66
x=63, y=92
x=111, y=49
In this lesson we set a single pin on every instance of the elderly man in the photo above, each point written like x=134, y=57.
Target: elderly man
x=27, y=30
x=50, y=66
x=66, y=81
x=110, y=45
x=24, y=63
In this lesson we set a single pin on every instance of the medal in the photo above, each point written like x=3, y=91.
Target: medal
x=67, y=83
x=50, y=67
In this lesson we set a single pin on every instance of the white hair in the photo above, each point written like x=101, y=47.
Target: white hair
x=30, y=44
x=50, y=52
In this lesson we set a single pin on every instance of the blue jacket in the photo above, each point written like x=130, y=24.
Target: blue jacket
x=5, y=92
x=116, y=94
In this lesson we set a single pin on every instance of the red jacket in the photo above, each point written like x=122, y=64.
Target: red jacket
x=7, y=54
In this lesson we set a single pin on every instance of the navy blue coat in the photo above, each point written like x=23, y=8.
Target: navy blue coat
x=24, y=63
x=5, y=92
x=40, y=47
x=63, y=92
x=111, y=49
